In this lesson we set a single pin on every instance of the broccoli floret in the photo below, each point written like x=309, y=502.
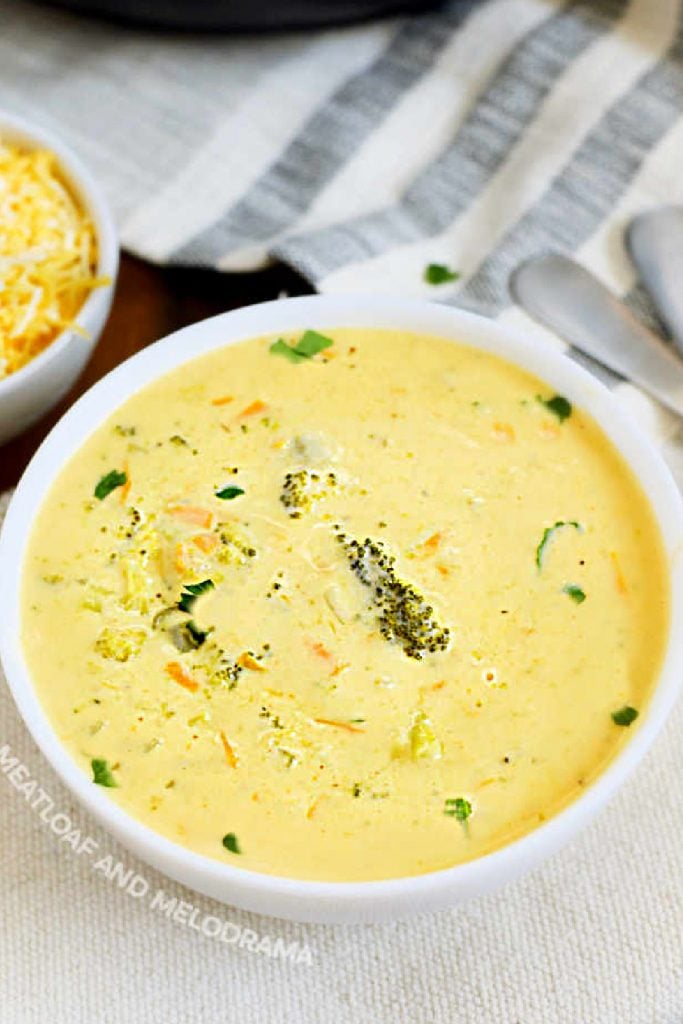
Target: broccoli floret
x=120, y=644
x=303, y=488
x=235, y=548
x=404, y=615
x=217, y=667
x=423, y=740
x=136, y=564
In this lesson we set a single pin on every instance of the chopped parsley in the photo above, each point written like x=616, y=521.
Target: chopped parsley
x=459, y=808
x=109, y=482
x=310, y=343
x=575, y=592
x=439, y=273
x=548, y=534
x=625, y=716
x=228, y=493
x=191, y=592
x=558, y=406
x=230, y=843
x=102, y=773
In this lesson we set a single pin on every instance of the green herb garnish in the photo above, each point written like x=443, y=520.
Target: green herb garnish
x=102, y=773
x=230, y=843
x=228, y=493
x=548, y=534
x=191, y=592
x=308, y=346
x=557, y=405
x=198, y=635
x=178, y=441
x=459, y=808
x=439, y=273
x=281, y=348
x=109, y=482
x=576, y=593
x=311, y=343
x=625, y=715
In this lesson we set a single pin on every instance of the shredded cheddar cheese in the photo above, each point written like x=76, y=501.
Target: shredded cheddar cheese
x=48, y=256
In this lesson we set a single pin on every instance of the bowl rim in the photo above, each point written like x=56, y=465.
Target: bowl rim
x=28, y=134
x=325, y=313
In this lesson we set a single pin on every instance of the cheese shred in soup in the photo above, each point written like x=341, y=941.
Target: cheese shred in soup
x=345, y=607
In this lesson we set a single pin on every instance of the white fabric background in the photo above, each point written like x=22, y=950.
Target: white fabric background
x=180, y=131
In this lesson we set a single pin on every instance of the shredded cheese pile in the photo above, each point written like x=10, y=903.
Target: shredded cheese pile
x=48, y=255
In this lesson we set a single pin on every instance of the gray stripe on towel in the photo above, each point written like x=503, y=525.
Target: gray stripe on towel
x=329, y=138
x=591, y=183
x=448, y=185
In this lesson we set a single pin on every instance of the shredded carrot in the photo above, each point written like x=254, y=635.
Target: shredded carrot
x=206, y=542
x=440, y=685
x=179, y=560
x=125, y=490
x=489, y=782
x=179, y=675
x=444, y=570
x=622, y=586
x=431, y=544
x=192, y=515
x=338, y=725
x=504, y=432
x=313, y=808
x=230, y=755
x=223, y=400
x=339, y=669
x=246, y=661
x=320, y=650
x=251, y=410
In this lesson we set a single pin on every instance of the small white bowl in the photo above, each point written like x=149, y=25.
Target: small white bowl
x=314, y=900
x=30, y=392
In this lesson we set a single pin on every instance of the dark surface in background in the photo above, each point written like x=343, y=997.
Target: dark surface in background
x=151, y=302
x=244, y=15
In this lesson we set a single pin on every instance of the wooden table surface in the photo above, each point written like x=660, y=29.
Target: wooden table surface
x=149, y=303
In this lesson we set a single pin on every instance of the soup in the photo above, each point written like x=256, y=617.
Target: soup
x=345, y=607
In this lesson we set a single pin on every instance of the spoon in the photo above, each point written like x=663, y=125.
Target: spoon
x=655, y=244
x=569, y=300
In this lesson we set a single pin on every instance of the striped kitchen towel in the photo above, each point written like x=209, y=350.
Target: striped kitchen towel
x=474, y=135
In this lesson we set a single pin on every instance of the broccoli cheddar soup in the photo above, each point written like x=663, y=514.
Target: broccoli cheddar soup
x=345, y=607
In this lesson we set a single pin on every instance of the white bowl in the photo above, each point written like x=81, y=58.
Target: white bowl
x=314, y=900
x=30, y=392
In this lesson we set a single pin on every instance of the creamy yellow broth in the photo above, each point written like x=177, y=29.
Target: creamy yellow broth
x=292, y=719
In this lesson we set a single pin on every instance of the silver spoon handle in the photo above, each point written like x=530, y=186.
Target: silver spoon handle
x=655, y=243
x=570, y=301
